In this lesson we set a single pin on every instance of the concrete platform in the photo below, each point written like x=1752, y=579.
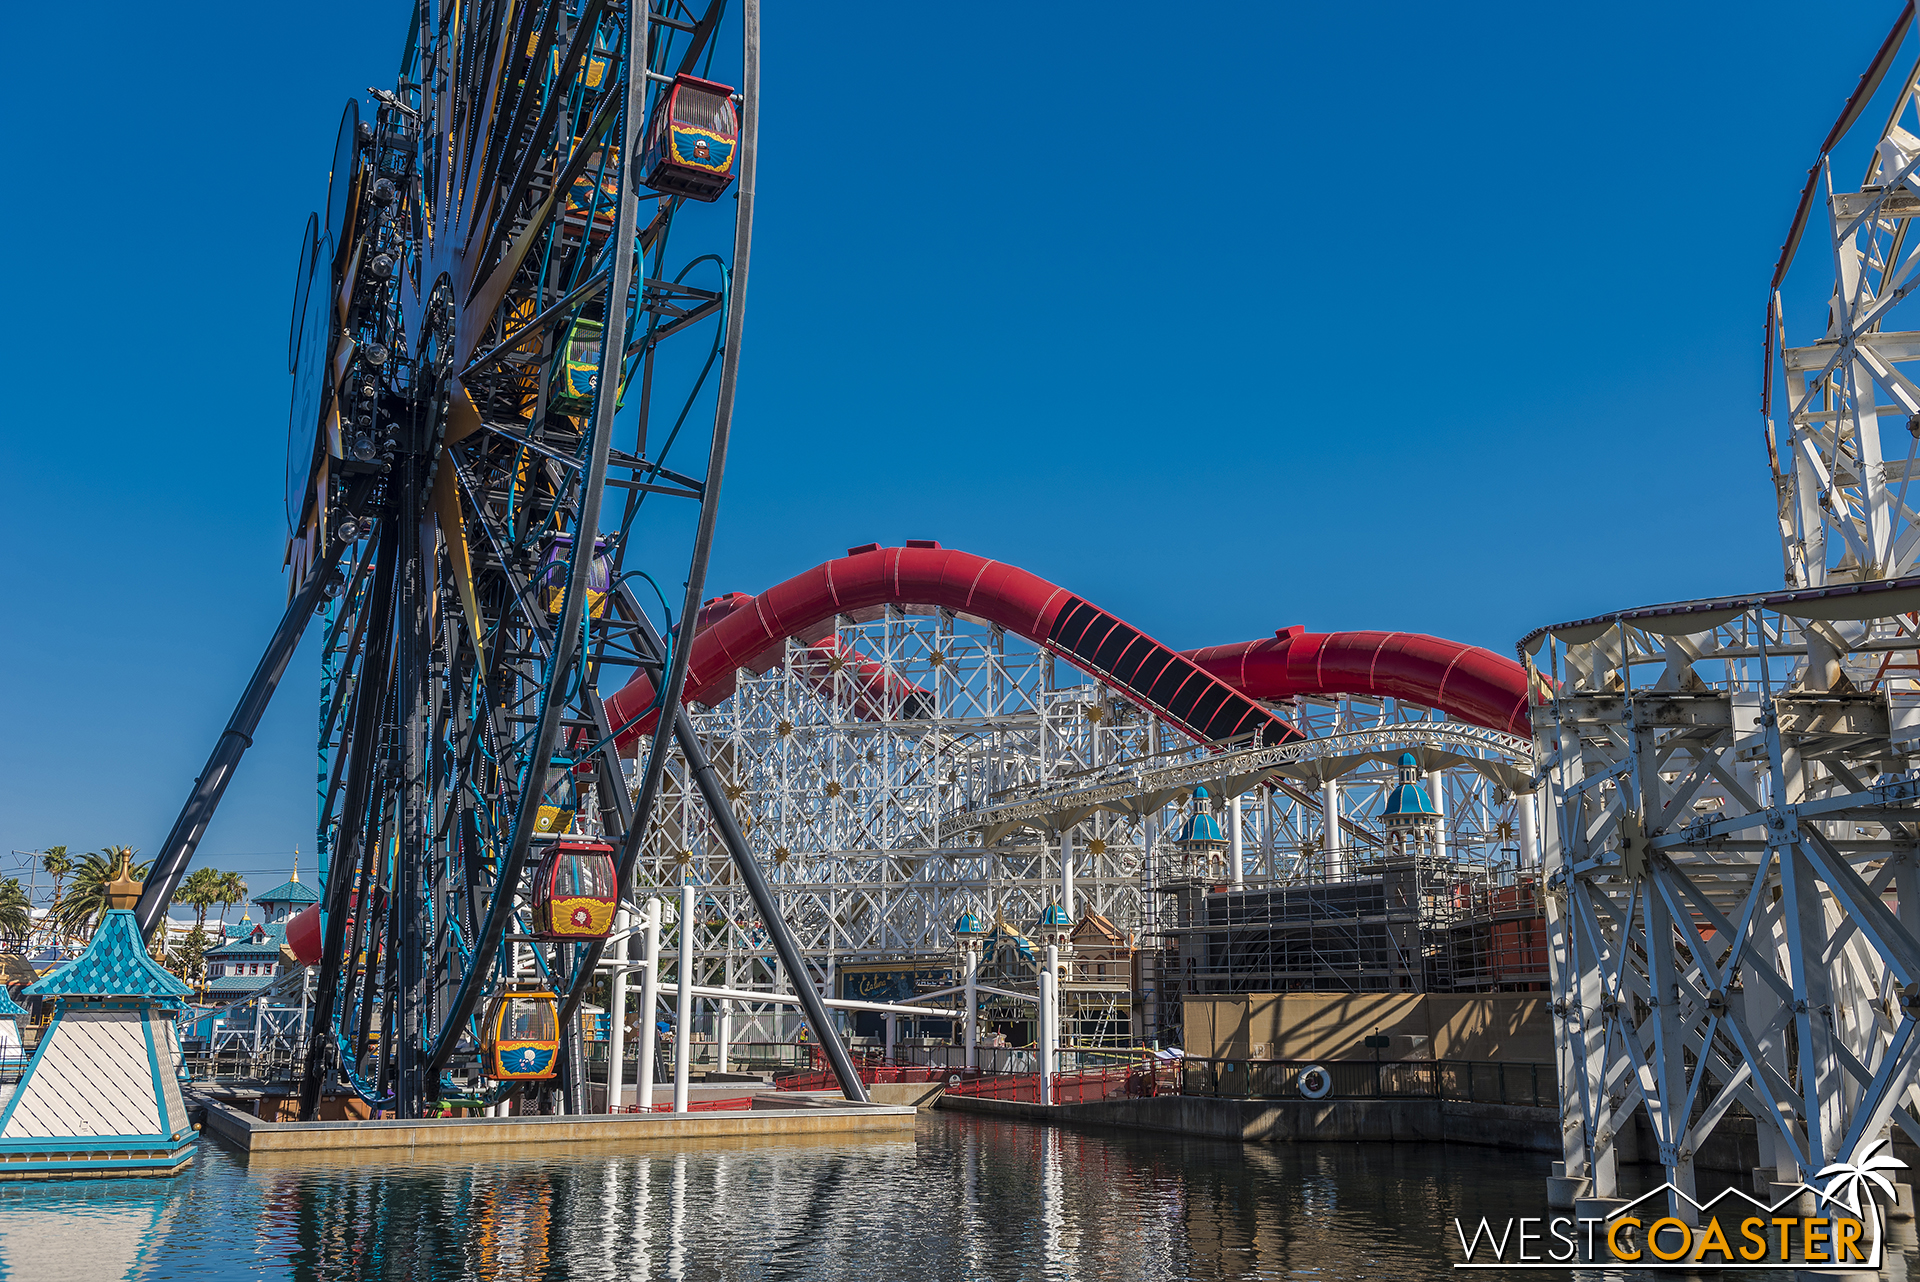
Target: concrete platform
x=455, y=1133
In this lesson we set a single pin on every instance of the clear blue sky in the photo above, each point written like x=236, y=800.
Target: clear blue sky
x=1436, y=318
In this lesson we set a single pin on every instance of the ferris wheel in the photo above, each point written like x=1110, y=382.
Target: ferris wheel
x=514, y=319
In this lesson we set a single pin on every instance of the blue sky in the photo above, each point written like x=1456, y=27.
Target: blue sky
x=1405, y=317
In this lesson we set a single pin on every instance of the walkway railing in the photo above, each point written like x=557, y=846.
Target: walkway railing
x=695, y=1106
x=1474, y=1081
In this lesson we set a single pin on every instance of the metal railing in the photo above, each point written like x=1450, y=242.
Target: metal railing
x=1472, y=1081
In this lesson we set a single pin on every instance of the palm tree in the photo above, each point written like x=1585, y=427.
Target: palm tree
x=200, y=891
x=16, y=916
x=58, y=862
x=1849, y=1181
x=233, y=890
x=77, y=912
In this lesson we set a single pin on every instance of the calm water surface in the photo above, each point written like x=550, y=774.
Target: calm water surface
x=964, y=1198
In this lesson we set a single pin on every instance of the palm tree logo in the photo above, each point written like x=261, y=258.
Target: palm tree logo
x=1846, y=1181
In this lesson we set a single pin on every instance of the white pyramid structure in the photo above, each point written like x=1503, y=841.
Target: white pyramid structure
x=101, y=1096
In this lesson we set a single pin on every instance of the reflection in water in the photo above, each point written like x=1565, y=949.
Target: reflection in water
x=99, y=1229
x=965, y=1198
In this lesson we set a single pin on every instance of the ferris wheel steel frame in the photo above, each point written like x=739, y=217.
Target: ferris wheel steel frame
x=485, y=212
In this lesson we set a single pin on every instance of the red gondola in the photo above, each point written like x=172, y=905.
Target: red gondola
x=691, y=145
x=575, y=889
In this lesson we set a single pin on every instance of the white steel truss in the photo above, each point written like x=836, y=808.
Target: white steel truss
x=1844, y=463
x=1734, y=902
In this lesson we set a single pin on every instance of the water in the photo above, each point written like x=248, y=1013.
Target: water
x=963, y=1198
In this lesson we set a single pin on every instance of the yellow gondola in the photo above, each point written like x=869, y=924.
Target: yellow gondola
x=520, y=1037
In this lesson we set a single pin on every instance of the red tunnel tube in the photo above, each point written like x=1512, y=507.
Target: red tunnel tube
x=1464, y=681
x=743, y=634
x=879, y=694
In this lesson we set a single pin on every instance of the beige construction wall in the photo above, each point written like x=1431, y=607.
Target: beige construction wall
x=1495, y=1026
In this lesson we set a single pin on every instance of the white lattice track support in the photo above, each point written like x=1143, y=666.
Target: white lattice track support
x=1733, y=901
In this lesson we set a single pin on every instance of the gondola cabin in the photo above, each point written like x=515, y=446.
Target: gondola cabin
x=520, y=1040
x=575, y=889
x=553, y=574
x=579, y=366
x=691, y=146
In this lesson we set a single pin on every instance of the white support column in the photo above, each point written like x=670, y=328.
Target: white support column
x=683, y=1010
x=1270, y=832
x=972, y=1030
x=886, y=1052
x=1049, y=1022
x=1236, y=842
x=1437, y=790
x=1069, y=850
x=649, y=1002
x=1331, y=835
x=726, y=1033
x=1529, y=830
x=617, y=1013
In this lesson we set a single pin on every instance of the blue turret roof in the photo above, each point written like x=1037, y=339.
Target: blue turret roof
x=1201, y=829
x=115, y=965
x=968, y=925
x=9, y=1008
x=1407, y=801
x=289, y=892
x=1055, y=915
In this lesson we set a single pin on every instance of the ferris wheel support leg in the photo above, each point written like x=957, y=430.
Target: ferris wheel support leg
x=349, y=842
x=412, y=629
x=176, y=852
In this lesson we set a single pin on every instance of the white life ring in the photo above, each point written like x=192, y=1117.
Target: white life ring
x=1314, y=1082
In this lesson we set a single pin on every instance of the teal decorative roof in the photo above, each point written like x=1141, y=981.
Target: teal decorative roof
x=1200, y=830
x=968, y=925
x=1407, y=801
x=1054, y=915
x=291, y=892
x=9, y=1008
x=115, y=965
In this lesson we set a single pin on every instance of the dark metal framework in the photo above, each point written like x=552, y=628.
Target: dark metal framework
x=456, y=510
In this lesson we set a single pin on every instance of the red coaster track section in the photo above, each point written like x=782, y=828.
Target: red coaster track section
x=1211, y=695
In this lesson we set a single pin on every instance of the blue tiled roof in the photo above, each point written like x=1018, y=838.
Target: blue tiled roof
x=9, y=1008
x=115, y=965
x=968, y=925
x=291, y=892
x=237, y=985
x=1055, y=915
x=273, y=935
